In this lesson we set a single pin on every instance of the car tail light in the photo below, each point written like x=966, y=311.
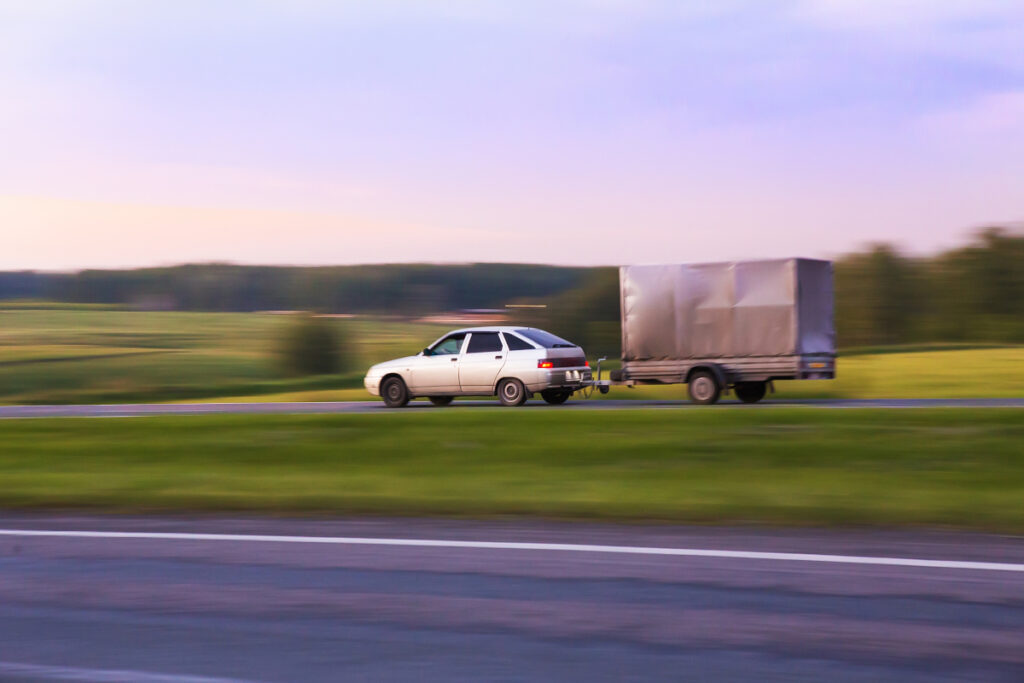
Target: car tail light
x=562, y=363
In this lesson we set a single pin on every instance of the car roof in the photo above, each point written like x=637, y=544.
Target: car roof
x=493, y=328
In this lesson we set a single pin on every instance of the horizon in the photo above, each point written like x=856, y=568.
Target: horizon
x=575, y=133
x=1012, y=229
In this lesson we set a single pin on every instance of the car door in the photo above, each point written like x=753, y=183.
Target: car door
x=481, y=362
x=438, y=372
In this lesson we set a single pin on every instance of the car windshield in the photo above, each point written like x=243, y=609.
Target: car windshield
x=545, y=339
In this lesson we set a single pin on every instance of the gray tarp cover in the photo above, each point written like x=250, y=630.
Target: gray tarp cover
x=715, y=310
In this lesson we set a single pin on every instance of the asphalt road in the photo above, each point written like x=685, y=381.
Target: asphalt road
x=325, y=407
x=290, y=606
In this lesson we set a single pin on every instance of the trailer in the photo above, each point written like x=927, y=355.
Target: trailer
x=720, y=327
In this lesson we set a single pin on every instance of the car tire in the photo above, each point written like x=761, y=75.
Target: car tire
x=441, y=400
x=511, y=392
x=394, y=392
x=555, y=397
x=704, y=388
x=750, y=392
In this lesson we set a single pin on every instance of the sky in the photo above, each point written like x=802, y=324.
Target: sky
x=572, y=132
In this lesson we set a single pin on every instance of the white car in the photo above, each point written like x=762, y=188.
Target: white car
x=512, y=363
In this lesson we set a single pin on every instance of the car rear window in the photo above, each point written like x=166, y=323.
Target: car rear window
x=545, y=339
x=481, y=342
x=517, y=343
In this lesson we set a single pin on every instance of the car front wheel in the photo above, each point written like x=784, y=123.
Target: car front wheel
x=394, y=392
x=511, y=392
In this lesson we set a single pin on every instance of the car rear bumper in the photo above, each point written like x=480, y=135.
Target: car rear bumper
x=567, y=378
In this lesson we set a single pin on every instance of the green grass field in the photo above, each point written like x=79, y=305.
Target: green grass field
x=65, y=353
x=72, y=354
x=776, y=465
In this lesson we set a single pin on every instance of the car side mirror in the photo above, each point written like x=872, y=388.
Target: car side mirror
x=426, y=352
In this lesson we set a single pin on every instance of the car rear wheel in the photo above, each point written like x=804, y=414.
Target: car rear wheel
x=394, y=392
x=704, y=388
x=441, y=400
x=750, y=392
x=511, y=392
x=555, y=397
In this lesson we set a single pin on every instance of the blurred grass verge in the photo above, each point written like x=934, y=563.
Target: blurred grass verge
x=775, y=465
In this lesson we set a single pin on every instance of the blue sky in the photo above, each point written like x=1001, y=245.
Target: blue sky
x=138, y=133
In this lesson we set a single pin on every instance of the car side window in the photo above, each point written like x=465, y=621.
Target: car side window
x=484, y=342
x=516, y=344
x=449, y=345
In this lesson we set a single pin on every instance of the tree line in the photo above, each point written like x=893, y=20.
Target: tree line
x=401, y=289
x=971, y=294
x=974, y=293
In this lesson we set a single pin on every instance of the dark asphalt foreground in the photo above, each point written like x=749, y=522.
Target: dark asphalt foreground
x=196, y=610
x=325, y=407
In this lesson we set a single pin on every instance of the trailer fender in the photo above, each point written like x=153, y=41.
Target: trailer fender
x=714, y=369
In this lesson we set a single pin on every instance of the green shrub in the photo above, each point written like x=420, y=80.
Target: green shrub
x=313, y=346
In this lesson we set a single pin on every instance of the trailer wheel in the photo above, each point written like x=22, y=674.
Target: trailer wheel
x=555, y=397
x=750, y=392
x=704, y=388
x=441, y=400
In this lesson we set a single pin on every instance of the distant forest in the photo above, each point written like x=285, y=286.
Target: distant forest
x=971, y=294
x=401, y=289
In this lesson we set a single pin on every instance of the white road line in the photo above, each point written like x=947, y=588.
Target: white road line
x=502, y=545
x=74, y=673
